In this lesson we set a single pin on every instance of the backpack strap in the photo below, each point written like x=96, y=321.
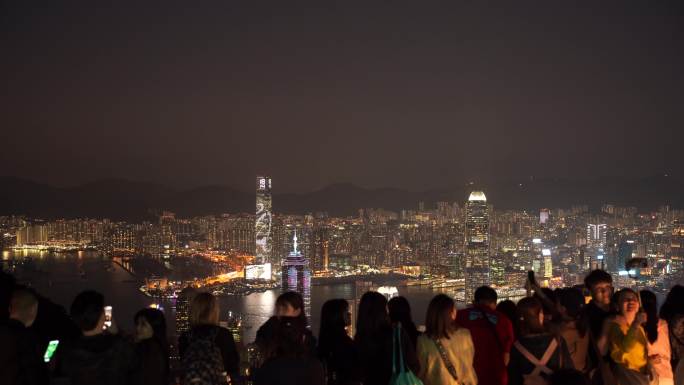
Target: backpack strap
x=539, y=365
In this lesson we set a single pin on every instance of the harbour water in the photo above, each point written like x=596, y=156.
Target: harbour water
x=61, y=276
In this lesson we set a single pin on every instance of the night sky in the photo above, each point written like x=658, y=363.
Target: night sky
x=416, y=94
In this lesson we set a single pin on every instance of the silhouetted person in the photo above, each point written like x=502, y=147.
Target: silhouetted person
x=400, y=311
x=335, y=348
x=287, y=357
x=492, y=334
x=207, y=350
x=373, y=341
x=442, y=333
x=152, y=346
x=597, y=312
x=288, y=304
x=21, y=358
x=535, y=348
x=509, y=309
x=571, y=325
x=97, y=357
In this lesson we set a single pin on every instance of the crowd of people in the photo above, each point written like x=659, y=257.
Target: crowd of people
x=583, y=335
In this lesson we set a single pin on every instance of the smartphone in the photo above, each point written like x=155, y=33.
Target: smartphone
x=108, y=317
x=50, y=351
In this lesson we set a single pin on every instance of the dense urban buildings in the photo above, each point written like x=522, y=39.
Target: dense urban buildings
x=446, y=246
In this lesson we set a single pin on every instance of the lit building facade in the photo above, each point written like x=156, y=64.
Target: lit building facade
x=477, y=264
x=263, y=221
x=596, y=235
x=296, y=275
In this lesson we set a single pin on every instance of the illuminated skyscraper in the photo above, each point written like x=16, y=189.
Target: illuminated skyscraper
x=477, y=268
x=596, y=235
x=296, y=275
x=263, y=222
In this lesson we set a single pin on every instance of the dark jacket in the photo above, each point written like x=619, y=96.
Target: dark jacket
x=104, y=359
x=595, y=317
x=266, y=331
x=154, y=362
x=340, y=360
x=224, y=341
x=21, y=360
x=537, y=345
x=304, y=370
x=375, y=357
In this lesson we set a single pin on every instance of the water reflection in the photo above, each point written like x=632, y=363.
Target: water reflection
x=60, y=276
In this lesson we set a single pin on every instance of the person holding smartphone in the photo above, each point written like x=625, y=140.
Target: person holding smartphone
x=21, y=358
x=98, y=356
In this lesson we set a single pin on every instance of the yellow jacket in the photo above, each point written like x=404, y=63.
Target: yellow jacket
x=460, y=350
x=628, y=346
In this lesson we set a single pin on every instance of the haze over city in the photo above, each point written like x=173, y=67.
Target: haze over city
x=377, y=94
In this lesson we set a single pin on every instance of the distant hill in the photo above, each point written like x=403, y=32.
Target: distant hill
x=123, y=199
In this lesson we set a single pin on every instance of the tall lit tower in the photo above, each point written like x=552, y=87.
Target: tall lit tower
x=296, y=275
x=263, y=222
x=477, y=267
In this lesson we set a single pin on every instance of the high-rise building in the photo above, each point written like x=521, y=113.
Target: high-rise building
x=543, y=216
x=263, y=222
x=296, y=275
x=35, y=234
x=477, y=267
x=596, y=235
x=677, y=247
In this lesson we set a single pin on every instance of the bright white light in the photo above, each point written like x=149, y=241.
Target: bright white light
x=536, y=241
x=546, y=252
x=258, y=271
x=388, y=291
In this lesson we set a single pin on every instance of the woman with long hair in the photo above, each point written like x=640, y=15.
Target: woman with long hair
x=658, y=336
x=152, y=346
x=572, y=326
x=445, y=351
x=205, y=334
x=627, y=341
x=289, y=304
x=672, y=312
x=373, y=340
x=537, y=353
x=287, y=358
x=400, y=312
x=335, y=348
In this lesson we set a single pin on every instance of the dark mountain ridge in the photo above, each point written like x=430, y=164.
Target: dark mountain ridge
x=120, y=199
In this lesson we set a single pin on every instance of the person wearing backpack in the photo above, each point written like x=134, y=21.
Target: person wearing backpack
x=445, y=351
x=208, y=353
x=536, y=354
